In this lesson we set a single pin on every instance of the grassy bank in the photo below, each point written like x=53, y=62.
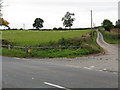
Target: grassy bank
x=112, y=38
x=87, y=45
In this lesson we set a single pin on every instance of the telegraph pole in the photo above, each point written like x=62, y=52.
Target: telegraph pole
x=92, y=24
x=24, y=26
x=91, y=19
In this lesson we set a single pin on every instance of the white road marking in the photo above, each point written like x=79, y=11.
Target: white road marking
x=54, y=85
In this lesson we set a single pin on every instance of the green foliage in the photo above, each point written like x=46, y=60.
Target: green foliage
x=4, y=22
x=68, y=20
x=38, y=23
x=117, y=24
x=5, y=42
x=53, y=53
x=107, y=24
x=54, y=28
x=60, y=53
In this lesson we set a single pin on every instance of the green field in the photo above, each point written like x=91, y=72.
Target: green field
x=35, y=38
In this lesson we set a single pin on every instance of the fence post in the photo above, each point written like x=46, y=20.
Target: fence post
x=26, y=50
x=60, y=47
x=9, y=47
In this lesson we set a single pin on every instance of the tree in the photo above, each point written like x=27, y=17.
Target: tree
x=38, y=23
x=117, y=24
x=4, y=23
x=68, y=20
x=107, y=24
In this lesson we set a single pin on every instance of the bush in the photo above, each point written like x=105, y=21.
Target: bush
x=5, y=42
x=54, y=28
x=107, y=24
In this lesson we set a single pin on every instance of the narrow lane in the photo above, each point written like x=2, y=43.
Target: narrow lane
x=108, y=48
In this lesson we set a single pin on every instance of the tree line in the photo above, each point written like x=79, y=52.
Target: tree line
x=68, y=22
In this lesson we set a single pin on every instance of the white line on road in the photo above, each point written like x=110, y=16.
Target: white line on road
x=54, y=85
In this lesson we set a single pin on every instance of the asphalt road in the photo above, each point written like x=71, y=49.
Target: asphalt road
x=35, y=73
x=41, y=73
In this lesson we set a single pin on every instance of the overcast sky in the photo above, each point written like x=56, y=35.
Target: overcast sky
x=19, y=12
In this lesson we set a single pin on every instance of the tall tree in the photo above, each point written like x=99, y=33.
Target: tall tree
x=117, y=24
x=107, y=24
x=68, y=20
x=38, y=23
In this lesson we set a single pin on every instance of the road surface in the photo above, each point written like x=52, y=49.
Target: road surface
x=64, y=73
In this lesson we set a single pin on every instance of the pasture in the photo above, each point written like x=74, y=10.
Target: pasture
x=34, y=38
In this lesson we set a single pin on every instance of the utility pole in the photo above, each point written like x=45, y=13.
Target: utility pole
x=24, y=26
x=91, y=19
x=92, y=33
